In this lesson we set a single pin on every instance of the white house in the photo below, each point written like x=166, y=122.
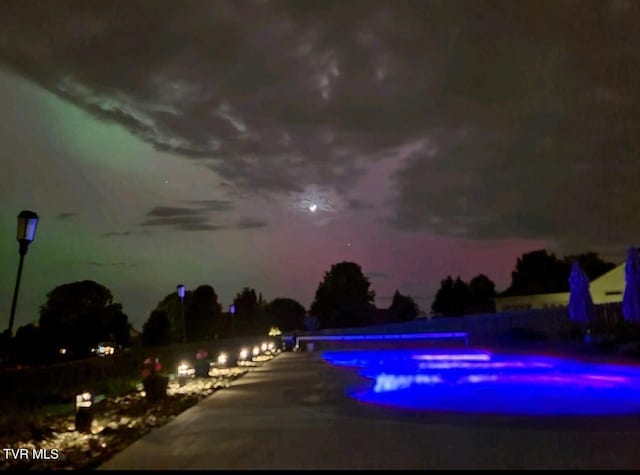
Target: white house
x=607, y=288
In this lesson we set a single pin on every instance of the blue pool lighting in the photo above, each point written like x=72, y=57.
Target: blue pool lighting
x=475, y=381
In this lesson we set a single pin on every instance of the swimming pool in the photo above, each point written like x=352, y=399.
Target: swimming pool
x=479, y=381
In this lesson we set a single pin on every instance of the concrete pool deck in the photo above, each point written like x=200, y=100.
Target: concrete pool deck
x=293, y=413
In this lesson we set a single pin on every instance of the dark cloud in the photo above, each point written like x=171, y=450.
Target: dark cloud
x=118, y=233
x=111, y=264
x=183, y=223
x=196, y=217
x=515, y=119
x=125, y=233
x=250, y=223
x=188, y=219
x=66, y=216
x=178, y=219
x=198, y=226
x=170, y=212
x=214, y=205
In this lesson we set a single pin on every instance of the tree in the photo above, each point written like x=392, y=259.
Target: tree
x=6, y=342
x=156, y=330
x=442, y=302
x=483, y=291
x=403, y=308
x=539, y=272
x=285, y=313
x=29, y=346
x=591, y=263
x=343, y=297
x=203, y=314
x=246, y=303
x=200, y=316
x=453, y=297
x=250, y=317
x=171, y=305
x=79, y=315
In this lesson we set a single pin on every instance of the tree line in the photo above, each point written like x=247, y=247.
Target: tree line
x=536, y=272
x=78, y=316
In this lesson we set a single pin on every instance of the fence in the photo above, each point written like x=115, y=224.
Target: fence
x=553, y=323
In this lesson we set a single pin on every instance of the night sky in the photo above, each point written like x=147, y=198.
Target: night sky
x=166, y=142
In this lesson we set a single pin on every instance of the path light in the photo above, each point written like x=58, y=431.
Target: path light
x=185, y=370
x=222, y=359
x=84, y=412
x=264, y=347
x=27, y=224
x=243, y=355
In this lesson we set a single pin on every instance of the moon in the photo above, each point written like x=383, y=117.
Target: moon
x=313, y=207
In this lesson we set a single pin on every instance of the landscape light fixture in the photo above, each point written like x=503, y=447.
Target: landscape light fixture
x=84, y=412
x=222, y=359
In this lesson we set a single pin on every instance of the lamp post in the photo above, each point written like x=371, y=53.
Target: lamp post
x=232, y=312
x=27, y=224
x=181, y=291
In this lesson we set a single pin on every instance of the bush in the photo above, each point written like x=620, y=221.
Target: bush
x=155, y=384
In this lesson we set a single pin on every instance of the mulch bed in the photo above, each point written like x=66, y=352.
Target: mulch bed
x=117, y=423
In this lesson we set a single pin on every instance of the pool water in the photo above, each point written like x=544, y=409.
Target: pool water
x=478, y=381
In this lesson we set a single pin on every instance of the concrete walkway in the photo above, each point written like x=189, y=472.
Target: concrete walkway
x=292, y=413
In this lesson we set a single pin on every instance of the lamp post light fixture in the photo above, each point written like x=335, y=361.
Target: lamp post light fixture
x=181, y=292
x=27, y=224
x=232, y=312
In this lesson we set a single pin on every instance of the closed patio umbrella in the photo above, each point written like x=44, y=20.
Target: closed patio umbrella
x=631, y=297
x=581, y=309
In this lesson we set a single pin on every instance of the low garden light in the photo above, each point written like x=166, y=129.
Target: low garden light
x=84, y=412
x=264, y=347
x=222, y=359
x=27, y=224
x=185, y=370
x=243, y=355
x=255, y=351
